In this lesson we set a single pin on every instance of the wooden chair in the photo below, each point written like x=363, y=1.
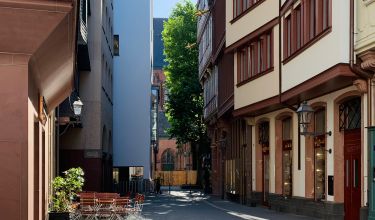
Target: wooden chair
x=88, y=207
x=106, y=208
x=122, y=205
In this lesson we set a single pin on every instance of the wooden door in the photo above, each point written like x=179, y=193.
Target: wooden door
x=352, y=176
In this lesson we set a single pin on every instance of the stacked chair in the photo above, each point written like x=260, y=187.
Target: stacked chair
x=95, y=206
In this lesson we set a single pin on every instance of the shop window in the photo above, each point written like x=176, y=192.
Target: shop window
x=320, y=156
x=350, y=114
x=287, y=172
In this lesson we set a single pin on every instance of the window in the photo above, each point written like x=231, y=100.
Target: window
x=288, y=36
x=313, y=18
x=167, y=160
x=298, y=23
x=240, y=6
x=255, y=58
x=287, y=157
x=320, y=155
x=350, y=114
x=116, y=45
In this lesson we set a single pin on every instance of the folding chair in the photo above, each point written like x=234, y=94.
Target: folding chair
x=122, y=205
x=88, y=208
x=106, y=208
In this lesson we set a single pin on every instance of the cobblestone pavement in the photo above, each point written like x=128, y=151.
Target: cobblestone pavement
x=181, y=205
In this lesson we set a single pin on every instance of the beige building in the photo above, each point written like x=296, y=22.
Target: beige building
x=37, y=62
x=287, y=52
x=87, y=141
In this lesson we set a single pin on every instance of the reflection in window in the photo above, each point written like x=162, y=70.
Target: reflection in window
x=116, y=45
x=320, y=154
x=287, y=156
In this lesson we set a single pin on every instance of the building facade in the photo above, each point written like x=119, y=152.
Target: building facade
x=132, y=88
x=37, y=65
x=87, y=141
x=284, y=53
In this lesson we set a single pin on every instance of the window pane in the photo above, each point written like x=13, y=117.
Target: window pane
x=319, y=168
x=268, y=51
x=287, y=173
x=259, y=61
x=325, y=14
x=289, y=33
x=356, y=173
x=312, y=18
x=116, y=45
x=298, y=29
x=287, y=127
x=320, y=121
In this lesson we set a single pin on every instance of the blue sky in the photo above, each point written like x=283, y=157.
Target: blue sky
x=162, y=8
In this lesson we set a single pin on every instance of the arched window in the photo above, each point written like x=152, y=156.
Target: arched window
x=350, y=114
x=167, y=160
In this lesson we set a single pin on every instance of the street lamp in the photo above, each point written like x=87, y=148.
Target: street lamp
x=77, y=107
x=305, y=113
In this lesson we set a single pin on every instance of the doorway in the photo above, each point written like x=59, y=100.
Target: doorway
x=352, y=176
x=350, y=125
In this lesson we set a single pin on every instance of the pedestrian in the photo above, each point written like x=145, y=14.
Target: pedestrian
x=158, y=185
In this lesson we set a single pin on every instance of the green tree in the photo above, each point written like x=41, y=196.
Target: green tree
x=185, y=105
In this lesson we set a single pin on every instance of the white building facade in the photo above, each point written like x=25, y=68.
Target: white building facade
x=132, y=89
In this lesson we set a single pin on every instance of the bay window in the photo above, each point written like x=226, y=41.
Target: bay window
x=312, y=17
x=255, y=58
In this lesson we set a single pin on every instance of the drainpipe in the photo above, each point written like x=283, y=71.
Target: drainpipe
x=370, y=129
x=280, y=62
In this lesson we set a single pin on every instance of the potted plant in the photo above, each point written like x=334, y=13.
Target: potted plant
x=65, y=189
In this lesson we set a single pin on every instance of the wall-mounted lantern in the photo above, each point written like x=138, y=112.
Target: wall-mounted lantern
x=77, y=107
x=305, y=115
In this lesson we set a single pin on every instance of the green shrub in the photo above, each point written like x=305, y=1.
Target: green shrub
x=65, y=189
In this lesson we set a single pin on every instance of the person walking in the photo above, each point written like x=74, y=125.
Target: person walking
x=157, y=185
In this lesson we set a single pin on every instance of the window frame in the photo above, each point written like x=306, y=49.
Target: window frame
x=258, y=56
x=239, y=10
x=315, y=23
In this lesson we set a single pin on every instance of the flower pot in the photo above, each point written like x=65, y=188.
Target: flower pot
x=58, y=215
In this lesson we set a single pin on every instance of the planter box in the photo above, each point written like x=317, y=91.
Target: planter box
x=58, y=216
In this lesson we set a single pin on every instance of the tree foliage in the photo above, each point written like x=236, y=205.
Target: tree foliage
x=185, y=105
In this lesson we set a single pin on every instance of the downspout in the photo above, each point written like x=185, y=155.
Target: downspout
x=280, y=62
x=356, y=69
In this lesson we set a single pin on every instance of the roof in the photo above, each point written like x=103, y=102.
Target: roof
x=159, y=57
